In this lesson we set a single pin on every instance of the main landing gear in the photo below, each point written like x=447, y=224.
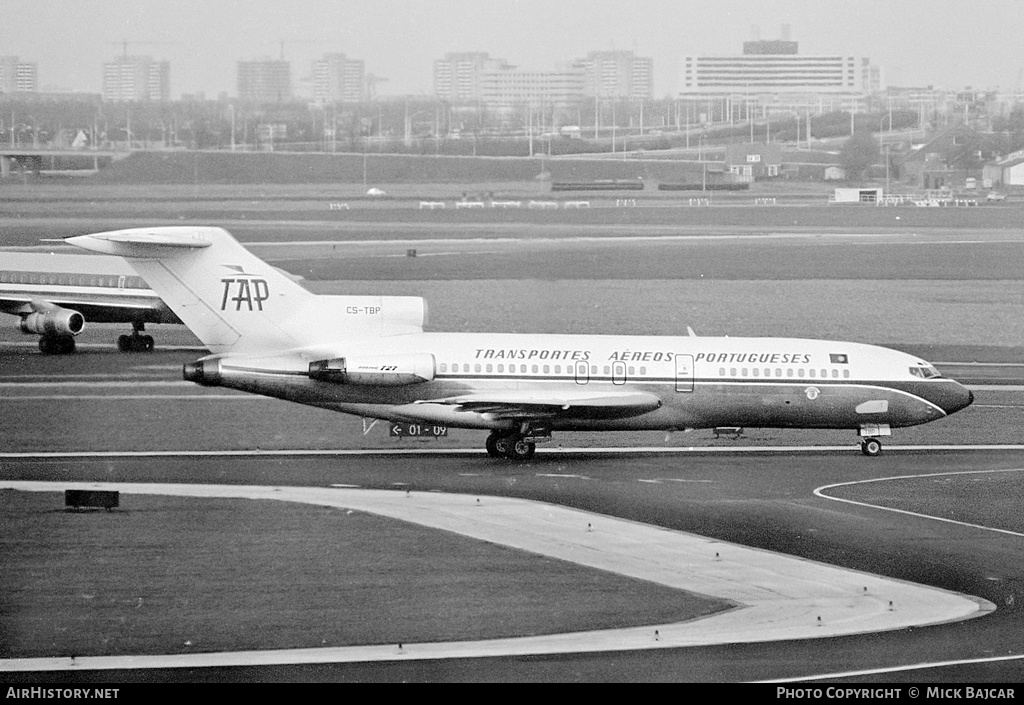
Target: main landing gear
x=515, y=445
x=57, y=344
x=135, y=342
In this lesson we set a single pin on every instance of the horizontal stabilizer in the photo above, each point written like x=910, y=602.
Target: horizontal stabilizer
x=137, y=242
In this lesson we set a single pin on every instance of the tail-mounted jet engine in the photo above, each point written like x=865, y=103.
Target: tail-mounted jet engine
x=383, y=370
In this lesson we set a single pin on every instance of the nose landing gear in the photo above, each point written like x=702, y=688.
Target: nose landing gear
x=871, y=447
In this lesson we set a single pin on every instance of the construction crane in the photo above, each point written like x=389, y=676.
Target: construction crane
x=281, y=43
x=371, y=85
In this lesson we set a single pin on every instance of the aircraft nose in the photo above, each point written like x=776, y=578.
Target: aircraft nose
x=955, y=398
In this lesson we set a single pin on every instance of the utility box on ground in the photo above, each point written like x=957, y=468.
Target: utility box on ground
x=91, y=499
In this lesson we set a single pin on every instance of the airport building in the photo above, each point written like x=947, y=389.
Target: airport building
x=131, y=78
x=265, y=81
x=617, y=74
x=773, y=73
x=18, y=76
x=337, y=78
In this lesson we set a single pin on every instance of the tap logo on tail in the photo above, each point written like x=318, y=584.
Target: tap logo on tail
x=244, y=289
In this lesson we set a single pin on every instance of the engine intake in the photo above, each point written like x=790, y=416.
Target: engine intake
x=57, y=321
x=382, y=370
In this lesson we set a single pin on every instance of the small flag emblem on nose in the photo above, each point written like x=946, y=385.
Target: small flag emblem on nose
x=839, y=358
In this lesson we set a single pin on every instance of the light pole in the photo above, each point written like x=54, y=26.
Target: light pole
x=704, y=166
x=887, y=168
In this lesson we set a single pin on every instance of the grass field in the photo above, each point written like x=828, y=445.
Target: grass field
x=169, y=575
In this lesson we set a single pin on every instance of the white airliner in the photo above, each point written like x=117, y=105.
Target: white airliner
x=369, y=356
x=54, y=294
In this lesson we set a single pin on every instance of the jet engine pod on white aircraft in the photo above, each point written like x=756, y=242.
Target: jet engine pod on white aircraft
x=55, y=321
x=379, y=370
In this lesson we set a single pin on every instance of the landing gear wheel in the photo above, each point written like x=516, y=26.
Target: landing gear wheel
x=56, y=344
x=519, y=449
x=492, y=445
x=135, y=343
x=871, y=447
x=502, y=445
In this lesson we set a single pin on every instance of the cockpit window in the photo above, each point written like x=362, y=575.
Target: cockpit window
x=925, y=372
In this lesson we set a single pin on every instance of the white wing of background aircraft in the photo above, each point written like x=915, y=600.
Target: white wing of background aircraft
x=369, y=356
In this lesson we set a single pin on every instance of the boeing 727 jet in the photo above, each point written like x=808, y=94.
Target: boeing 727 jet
x=369, y=356
x=55, y=294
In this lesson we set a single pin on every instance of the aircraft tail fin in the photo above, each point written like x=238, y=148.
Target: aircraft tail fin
x=228, y=297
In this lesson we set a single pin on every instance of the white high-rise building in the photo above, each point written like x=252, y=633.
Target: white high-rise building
x=618, y=74
x=457, y=77
x=338, y=78
x=265, y=81
x=18, y=76
x=129, y=78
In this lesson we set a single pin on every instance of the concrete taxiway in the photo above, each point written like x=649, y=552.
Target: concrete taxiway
x=776, y=597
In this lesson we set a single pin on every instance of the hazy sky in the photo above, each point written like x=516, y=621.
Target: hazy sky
x=948, y=43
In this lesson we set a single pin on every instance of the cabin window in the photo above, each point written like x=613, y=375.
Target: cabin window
x=846, y=374
x=547, y=369
x=607, y=370
x=767, y=372
x=534, y=369
x=444, y=366
x=593, y=369
x=812, y=373
x=629, y=371
x=522, y=368
x=490, y=367
x=501, y=368
x=558, y=369
x=756, y=372
x=835, y=373
x=477, y=367
x=744, y=371
x=824, y=373
x=732, y=371
x=800, y=372
x=3, y=277
x=789, y=372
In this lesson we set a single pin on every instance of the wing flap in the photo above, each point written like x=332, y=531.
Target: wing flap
x=526, y=404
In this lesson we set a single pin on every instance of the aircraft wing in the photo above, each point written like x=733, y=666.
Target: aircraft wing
x=95, y=308
x=528, y=404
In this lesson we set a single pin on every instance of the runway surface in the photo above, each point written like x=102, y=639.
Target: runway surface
x=955, y=299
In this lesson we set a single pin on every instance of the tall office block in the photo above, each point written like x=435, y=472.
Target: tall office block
x=265, y=81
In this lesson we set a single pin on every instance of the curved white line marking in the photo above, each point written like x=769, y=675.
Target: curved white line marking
x=820, y=493
x=898, y=669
